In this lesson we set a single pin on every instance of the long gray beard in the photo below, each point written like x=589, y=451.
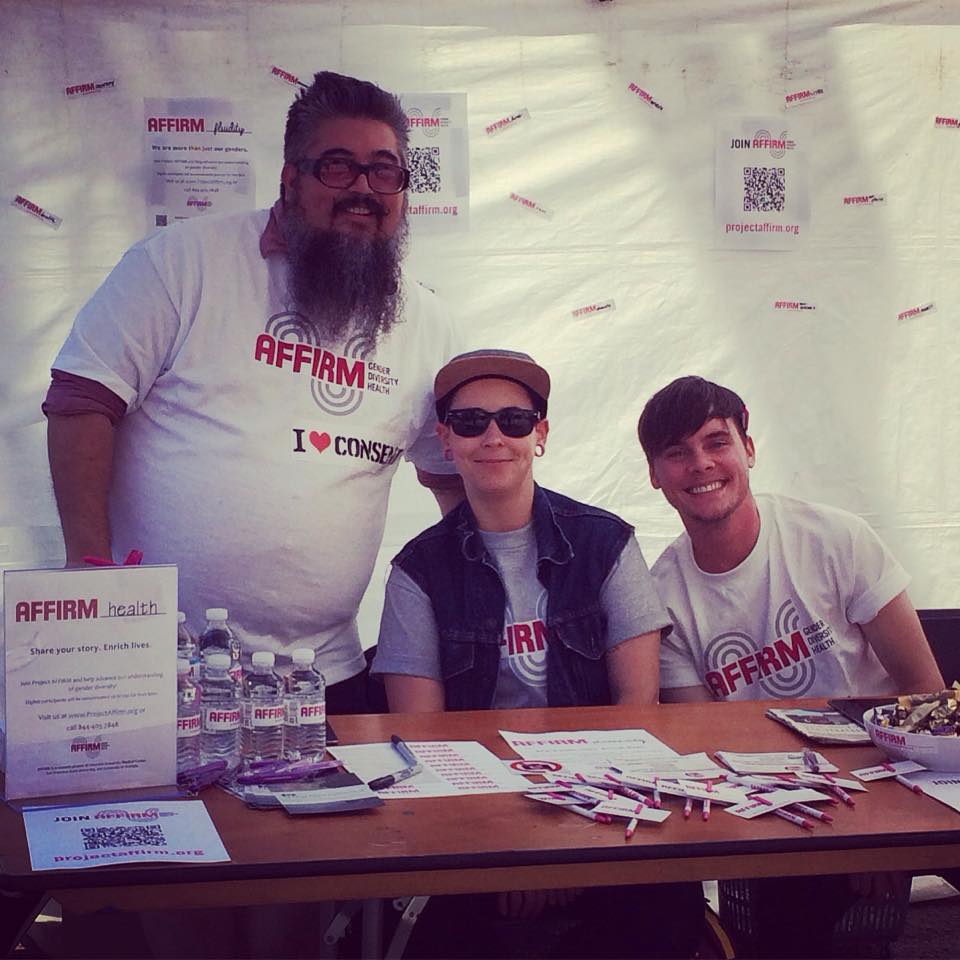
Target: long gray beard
x=343, y=286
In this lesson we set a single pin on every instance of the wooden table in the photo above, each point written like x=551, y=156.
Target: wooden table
x=502, y=841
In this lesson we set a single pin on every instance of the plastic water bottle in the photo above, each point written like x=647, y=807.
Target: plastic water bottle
x=217, y=634
x=305, y=715
x=220, y=711
x=187, y=647
x=189, y=721
x=261, y=733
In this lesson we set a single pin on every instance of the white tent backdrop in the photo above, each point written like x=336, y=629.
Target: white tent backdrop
x=849, y=405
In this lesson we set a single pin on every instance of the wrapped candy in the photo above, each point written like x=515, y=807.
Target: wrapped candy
x=935, y=713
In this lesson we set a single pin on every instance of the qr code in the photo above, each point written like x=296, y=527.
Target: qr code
x=764, y=189
x=425, y=170
x=141, y=835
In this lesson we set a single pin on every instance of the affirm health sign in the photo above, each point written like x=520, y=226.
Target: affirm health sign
x=89, y=679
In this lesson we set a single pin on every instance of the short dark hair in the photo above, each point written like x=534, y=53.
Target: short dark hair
x=681, y=408
x=333, y=95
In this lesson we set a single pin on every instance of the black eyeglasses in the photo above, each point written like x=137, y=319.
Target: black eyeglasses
x=342, y=172
x=472, y=421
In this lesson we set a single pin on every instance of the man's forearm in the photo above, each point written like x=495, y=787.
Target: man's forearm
x=80, y=449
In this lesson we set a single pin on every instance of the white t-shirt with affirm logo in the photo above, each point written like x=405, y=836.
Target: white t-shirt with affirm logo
x=784, y=623
x=408, y=631
x=256, y=458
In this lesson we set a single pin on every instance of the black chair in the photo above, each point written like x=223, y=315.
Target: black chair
x=942, y=629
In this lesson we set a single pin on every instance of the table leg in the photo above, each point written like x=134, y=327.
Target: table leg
x=17, y=912
x=371, y=935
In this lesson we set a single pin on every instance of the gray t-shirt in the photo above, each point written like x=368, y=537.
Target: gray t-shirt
x=408, y=631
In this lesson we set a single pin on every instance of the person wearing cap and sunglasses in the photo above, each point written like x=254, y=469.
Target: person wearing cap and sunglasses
x=235, y=397
x=772, y=597
x=522, y=597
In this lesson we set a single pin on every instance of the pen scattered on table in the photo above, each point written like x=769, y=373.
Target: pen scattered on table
x=198, y=778
x=410, y=770
x=282, y=771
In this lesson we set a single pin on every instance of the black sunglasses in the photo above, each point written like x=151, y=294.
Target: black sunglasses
x=342, y=172
x=472, y=421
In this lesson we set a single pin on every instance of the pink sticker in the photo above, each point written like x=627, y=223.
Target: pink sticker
x=644, y=95
x=35, y=210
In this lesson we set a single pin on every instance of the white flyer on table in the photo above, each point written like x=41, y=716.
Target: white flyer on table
x=747, y=763
x=768, y=802
x=450, y=768
x=90, y=679
x=582, y=750
x=942, y=786
x=888, y=771
x=71, y=838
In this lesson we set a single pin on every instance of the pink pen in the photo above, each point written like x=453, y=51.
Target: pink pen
x=785, y=814
x=900, y=778
x=656, y=792
x=589, y=814
x=706, y=809
x=842, y=794
x=812, y=812
x=632, y=825
x=624, y=789
x=687, y=808
x=793, y=818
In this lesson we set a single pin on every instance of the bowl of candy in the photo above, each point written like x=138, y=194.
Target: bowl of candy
x=923, y=727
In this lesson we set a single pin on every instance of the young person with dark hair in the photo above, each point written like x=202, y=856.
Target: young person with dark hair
x=522, y=597
x=773, y=597
x=769, y=596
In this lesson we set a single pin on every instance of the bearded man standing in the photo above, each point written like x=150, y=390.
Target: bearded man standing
x=235, y=396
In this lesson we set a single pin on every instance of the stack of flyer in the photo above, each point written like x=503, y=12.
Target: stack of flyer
x=820, y=726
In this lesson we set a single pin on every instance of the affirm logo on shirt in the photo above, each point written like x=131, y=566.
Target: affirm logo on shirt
x=338, y=381
x=783, y=668
x=524, y=646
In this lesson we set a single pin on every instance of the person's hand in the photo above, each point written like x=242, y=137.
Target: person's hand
x=527, y=904
x=889, y=885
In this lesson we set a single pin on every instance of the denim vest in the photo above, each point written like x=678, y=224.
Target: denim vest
x=577, y=546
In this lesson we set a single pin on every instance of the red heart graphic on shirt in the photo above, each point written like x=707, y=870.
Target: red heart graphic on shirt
x=320, y=440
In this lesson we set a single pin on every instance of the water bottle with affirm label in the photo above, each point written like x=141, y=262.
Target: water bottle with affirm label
x=187, y=646
x=218, y=635
x=189, y=721
x=220, y=711
x=262, y=705
x=305, y=724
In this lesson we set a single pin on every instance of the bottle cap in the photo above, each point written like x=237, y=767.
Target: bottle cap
x=303, y=656
x=183, y=666
x=216, y=613
x=217, y=661
x=263, y=658
x=181, y=617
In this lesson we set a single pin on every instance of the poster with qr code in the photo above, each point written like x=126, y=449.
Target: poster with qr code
x=72, y=838
x=198, y=158
x=762, y=196
x=438, y=158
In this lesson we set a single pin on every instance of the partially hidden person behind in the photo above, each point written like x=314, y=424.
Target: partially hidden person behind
x=771, y=597
x=237, y=394
x=522, y=597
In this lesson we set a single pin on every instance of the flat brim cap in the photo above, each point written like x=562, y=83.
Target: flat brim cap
x=504, y=364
